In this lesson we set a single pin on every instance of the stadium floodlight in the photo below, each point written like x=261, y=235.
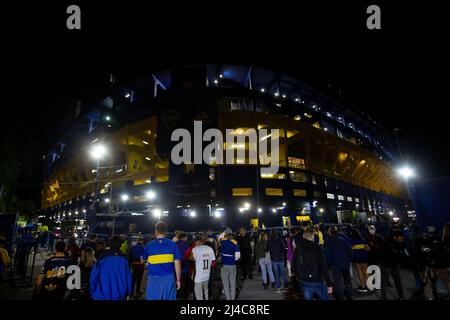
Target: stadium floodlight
x=406, y=172
x=124, y=197
x=156, y=213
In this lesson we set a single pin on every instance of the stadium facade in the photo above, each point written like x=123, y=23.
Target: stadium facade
x=336, y=164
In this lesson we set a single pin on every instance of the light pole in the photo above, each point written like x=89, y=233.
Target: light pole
x=124, y=197
x=407, y=173
x=98, y=151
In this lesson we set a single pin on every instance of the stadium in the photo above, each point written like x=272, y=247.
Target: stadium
x=336, y=163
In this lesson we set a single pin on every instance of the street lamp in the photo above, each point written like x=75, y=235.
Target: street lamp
x=98, y=151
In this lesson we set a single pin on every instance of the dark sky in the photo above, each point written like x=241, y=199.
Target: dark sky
x=398, y=74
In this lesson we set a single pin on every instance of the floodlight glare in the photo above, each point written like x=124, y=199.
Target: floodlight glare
x=150, y=195
x=98, y=151
x=406, y=172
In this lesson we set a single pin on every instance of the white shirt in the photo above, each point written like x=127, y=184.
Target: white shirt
x=203, y=256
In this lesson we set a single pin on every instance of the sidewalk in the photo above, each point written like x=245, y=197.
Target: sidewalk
x=253, y=289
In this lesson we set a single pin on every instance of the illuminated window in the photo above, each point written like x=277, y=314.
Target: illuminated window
x=296, y=163
x=162, y=179
x=349, y=199
x=299, y=193
x=298, y=176
x=138, y=182
x=340, y=197
x=273, y=176
x=274, y=192
x=242, y=192
x=316, y=125
x=330, y=196
x=356, y=199
x=313, y=179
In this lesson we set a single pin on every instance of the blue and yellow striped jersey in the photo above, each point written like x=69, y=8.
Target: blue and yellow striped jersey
x=228, y=249
x=160, y=255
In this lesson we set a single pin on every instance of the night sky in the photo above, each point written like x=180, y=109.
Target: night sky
x=399, y=74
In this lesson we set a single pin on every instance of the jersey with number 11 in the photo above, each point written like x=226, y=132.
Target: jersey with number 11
x=203, y=256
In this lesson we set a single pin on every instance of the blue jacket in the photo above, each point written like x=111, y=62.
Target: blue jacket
x=338, y=253
x=111, y=277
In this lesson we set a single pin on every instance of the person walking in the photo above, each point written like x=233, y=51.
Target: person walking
x=263, y=258
x=230, y=253
x=111, y=275
x=100, y=249
x=164, y=266
x=339, y=255
x=51, y=281
x=137, y=266
x=375, y=243
x=244, y=241
x=389, y=263
x=92, y=243
x=204, y=258
x=311, y=269
x=73, y=251
x=360, y=258
x=86, y=266
x=277, y=251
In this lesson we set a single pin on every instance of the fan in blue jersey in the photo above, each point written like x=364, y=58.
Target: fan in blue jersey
x=163, y=259
x=51, y=282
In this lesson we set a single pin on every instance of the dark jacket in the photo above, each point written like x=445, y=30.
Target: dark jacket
x=245, y=244
x=391, y=252
x=375, y=243
x=338, y=253
x=260, y=249
x=276, y=248
x=309, y=263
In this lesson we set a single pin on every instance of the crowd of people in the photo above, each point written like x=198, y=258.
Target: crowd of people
x=313, y=260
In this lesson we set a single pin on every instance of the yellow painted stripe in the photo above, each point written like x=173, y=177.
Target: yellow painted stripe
x=160, y=258
x=359, y=246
